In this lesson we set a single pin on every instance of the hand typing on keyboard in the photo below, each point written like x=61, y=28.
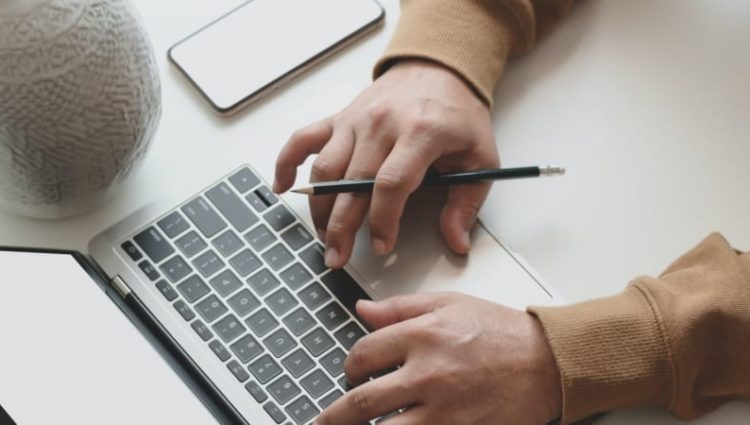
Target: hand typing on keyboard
x=462, y=361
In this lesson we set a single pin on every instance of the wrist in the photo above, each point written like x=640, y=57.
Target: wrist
x=442, y=74
x=551, y=382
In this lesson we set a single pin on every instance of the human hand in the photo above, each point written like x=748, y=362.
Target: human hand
x=416, y=115
x=464, y=361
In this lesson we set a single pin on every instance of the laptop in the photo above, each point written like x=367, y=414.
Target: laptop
x=228, y=286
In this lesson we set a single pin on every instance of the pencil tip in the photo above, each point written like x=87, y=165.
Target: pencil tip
x=303, y=190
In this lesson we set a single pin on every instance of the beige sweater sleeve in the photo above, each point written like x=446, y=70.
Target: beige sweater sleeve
x=474, y=38
x=680, y=342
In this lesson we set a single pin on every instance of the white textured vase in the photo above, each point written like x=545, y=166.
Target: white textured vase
x=79, y=102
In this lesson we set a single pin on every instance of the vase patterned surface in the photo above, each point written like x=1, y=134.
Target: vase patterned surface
x=79, y=103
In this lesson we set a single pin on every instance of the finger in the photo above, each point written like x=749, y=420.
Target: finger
x=303, y=143
x=331, y=164
x=398, y=177
x=417, y=415
x=382, y=350
x=400, y=308
x=460, y=214
x=350, y=209
x=370, y=400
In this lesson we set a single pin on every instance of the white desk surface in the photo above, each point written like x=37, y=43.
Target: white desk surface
x=647, y=104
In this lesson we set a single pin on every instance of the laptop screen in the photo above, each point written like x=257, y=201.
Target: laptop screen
x=69, y=355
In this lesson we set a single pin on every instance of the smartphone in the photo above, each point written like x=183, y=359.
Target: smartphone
x=254, y=49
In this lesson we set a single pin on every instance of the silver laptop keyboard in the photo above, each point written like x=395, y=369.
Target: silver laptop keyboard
x=250, y=280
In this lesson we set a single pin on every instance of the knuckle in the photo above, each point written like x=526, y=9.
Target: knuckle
x=360, y=401
x=322, y=169
x=391, y=181
x=378, y=114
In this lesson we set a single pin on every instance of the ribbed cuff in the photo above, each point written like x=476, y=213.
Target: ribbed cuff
x=471, y=37
x=612, y=353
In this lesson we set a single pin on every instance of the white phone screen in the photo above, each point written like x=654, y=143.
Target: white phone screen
x=247, y=51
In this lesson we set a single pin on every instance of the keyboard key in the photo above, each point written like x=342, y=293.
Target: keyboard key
x=246, y=348
x=302, y=410
x=264, y=369
x=314, y=296
x=166, y=290
x=349, y=334
x=173, y=224
x=220, y=350
x=299, y=321
x=263, y=282
x=346, y=289
x=211, y=308
x=314, y=257
x=245, y=263
x=280, y=342
x=229, y=328
x=258, y=203
x=225, y=283
x=295, y=276
x=232, y=207
x=260, y=238
x=204, y=217
x=149, y=270
x=261, y=322
x=131, y=250
x=317, y=383
x=208, y=263
x=333, y=362
x=228, y=243
x=297, y=236
x=193, y=289
x=344, y=383
x=202, y=330
x=274, y=412
x=244, y=180
x=279, y=217
x=238, y=371
x=283, y=389
x=256, y=391
x=281, y=302
x=190, y=244
x=176, y=269
x=154, y=245
x=184, y=310
x=278, y=257
x=317, y=342
x=332, y=316
x=267, y=195
x=330, y=398
x=243, y=303
x=298, y=363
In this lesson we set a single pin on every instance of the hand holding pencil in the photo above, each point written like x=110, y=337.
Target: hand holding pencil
x=416, y=116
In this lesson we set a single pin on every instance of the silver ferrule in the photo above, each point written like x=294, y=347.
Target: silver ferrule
x=551, y=170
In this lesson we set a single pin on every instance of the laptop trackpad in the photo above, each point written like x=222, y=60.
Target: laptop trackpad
x=68, y=355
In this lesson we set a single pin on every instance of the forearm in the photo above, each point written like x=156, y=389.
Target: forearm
x=474, y=38
x=678, y=342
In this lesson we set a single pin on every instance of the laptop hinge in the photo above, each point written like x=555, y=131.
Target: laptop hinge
x=120, y=286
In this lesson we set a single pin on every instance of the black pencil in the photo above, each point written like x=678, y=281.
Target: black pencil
x=367, y=185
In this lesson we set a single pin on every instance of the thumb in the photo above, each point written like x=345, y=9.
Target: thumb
x=400, y=308
x=460, y=213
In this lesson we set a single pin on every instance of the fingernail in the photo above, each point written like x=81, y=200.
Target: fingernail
x=332, y=257
x=378, y=245
x=366, y=303
x=276, y=186
x=465, y=239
